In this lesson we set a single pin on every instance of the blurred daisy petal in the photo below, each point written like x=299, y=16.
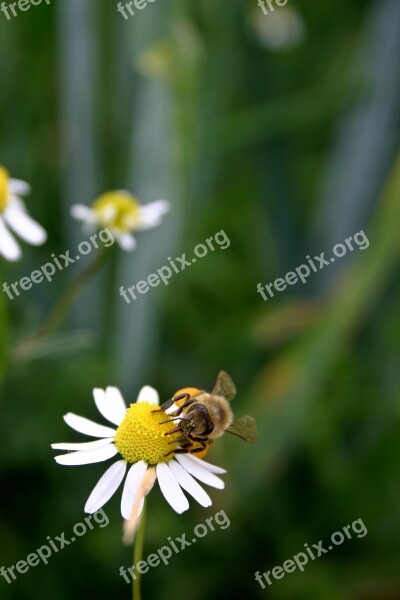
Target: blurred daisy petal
x=19, y=187
x=126, y=240
x=24, y=226
x=151, y=214
x=83, y=213
x=13, y=214
x=8, y=246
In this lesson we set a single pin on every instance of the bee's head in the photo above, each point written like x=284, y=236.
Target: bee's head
x=197, y=421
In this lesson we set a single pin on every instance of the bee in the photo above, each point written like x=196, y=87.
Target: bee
x=203, y=417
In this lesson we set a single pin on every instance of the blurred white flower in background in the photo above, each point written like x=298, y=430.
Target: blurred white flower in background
x=282, y=29
x=14, y=216
x=122, y=214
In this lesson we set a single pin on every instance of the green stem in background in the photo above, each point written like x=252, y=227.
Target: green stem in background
x=138, y=554
x=61, y=309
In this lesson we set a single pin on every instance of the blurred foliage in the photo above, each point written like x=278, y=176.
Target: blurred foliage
x=253, y=129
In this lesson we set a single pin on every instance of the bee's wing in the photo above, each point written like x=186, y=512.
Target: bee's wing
x=224, y=386
x=245, y=428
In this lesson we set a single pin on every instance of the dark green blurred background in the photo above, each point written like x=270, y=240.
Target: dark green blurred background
x=282, y=130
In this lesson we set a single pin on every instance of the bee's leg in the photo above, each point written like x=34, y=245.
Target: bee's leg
x=178, y=412
x=188, y=450
x=164, y=406
x=180, y=440
x=186, y=442
x=182, y=450
x=200, y=449
x=187, y=403
x=178, y=451
x=172, y=401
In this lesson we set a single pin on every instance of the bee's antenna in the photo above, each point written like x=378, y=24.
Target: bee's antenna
x=173, y=419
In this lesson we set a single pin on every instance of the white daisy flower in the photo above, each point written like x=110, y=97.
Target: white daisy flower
x=146, y=452
x=14, y=216
x=122, y=214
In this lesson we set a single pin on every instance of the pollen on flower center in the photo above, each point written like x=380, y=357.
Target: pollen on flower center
x=118, y=209
x=142, y=437
x=4, y=178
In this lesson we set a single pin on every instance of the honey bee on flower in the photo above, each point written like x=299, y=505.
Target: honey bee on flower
x=145, y=451
x=162, y=443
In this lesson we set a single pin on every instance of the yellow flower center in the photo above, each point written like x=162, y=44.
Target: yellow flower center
x=4, y=194
x=117, y=209
x=142, y=437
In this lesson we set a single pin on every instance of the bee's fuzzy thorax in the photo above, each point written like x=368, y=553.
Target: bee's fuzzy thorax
x=220, y=413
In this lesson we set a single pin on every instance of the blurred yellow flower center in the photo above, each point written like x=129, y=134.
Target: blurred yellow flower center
x=4, y=178
x=117, y=209
x=141, y=436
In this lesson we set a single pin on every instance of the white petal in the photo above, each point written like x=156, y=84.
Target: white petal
x=109, y=405
x=199, y=472
x=189, y=484
x=88, y=427
x=151, y=214
x=83, y=213
x=131, y=524
x=87, y=457
x=117, y=403
x=24, y=226
x=83, y=445
x=125, y=240
x=100, y=401
x=106, y=487
x=8, y=246
x=171, y=489
x=205, y=465
x=19, y=187
x=133, y=480
x=148, y=394
x=108, y=213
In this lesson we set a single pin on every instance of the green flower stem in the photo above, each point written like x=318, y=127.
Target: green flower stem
x=61, y=309
x=138, y=554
